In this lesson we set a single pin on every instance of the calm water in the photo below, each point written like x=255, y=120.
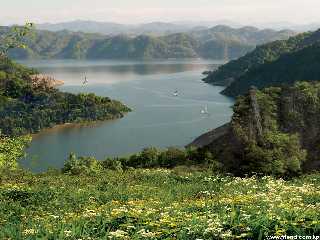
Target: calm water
x=158, y=119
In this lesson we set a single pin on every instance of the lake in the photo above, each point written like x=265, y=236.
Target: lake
x=159, y=118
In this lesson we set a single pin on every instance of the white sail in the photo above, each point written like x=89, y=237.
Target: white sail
x=205, y=110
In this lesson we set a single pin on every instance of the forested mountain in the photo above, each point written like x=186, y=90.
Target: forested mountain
x=27, y=107
x=220, y=42
x=272, y=64
x=272, y=131
x=289, y=68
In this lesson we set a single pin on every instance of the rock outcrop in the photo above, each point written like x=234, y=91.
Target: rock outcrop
x=45, y=80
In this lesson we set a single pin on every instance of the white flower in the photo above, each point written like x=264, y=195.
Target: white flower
x=67, y=233
x=118, y=234
x=29, y=231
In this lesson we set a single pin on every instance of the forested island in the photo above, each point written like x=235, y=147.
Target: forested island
x=220, y=42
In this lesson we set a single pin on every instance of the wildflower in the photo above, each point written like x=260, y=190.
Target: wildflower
x=227, y=234
x=29, y=231
x=146, y=234
x=67, y=233
x=118, y=234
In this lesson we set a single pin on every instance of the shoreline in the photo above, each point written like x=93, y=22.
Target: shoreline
x=65, y=126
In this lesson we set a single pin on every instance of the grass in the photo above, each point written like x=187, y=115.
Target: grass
x=156, y=204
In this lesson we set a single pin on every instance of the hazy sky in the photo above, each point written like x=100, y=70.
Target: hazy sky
x=137, y=11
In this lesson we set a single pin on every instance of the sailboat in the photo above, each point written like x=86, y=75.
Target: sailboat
x=85, y=80
x=205, y=110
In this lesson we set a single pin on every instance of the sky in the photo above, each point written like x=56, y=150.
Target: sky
x=139, y=11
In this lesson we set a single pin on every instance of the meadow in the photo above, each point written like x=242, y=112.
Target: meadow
x=181, y=203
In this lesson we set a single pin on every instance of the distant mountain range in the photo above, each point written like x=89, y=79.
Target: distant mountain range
x=220, y=42
x=164, y=28
x=287, y=25
x=110, y=28
x=274, y=64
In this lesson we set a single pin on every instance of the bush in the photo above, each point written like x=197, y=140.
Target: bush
x=149, y=157
x=172, y=157
x=113, y=164
x=81, y=165
x=11, y=150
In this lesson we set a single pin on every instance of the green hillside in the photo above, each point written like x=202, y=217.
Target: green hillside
x=262, y=54
x=273, y=131
x=273, y=64
x=220, y=42
x=289, y=68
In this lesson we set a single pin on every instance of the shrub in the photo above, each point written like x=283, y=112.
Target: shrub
x=113, y=164
x=149, y=157
x=172, y=157
x=11, y=150
x=81, y=165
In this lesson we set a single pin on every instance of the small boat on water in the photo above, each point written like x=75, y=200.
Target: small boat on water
x=176, y=93
x=205, y=110
x=85, y=80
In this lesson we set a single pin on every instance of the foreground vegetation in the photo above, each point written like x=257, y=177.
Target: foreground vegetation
x=156, y=204
x=131, y=198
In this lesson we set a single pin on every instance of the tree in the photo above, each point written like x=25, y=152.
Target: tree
x=149, y=157
x=81, y=165
x=14, y=38
x=11, y=150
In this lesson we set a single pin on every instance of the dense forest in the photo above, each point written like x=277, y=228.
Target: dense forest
x=273, y=131
x=275, y=63
x=220, y=42
x=27, y=108
x=289, y=68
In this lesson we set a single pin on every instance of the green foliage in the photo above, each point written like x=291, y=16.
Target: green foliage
x=209, y=43
x=172, y=157
x=274, y=64
x=14, y=37
x=281, y=155
x=289, y=119
x=152, y=157
x=169, y=158
x=113, y=164
x=301, y=65
x=81, y=165
x=262, y=54
x=156, y=204
x=149, y=157
x=11, y=150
